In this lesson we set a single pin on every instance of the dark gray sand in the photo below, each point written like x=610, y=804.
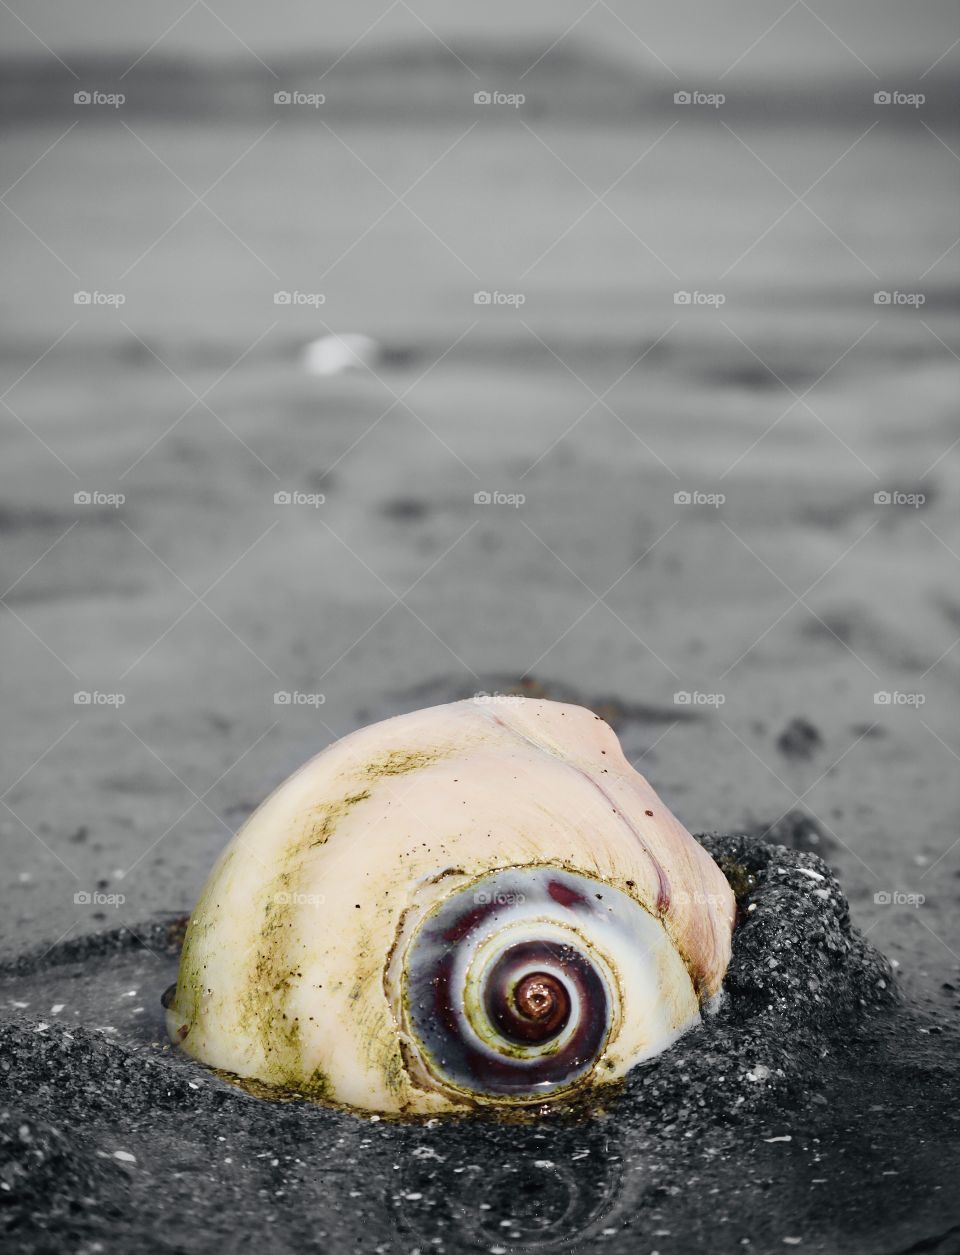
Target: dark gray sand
x=815, y=1111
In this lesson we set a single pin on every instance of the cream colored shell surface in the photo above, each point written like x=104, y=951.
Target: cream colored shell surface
x=289, y=967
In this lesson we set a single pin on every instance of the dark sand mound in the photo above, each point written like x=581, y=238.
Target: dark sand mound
x=811, y=1110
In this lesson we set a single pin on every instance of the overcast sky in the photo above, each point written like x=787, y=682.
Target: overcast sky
x=690, y=36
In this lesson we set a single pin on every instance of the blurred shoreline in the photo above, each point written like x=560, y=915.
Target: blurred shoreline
x=428, y=83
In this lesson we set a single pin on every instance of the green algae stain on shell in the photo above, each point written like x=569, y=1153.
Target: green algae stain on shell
x=402, y=762
x=188, y=1000
x=275, y=975
x=316, y=1087
x=323, y=828
x=271, y=980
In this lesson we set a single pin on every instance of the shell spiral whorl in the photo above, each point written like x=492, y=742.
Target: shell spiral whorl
x=505, y=989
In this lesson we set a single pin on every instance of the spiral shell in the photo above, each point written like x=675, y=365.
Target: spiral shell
x=480, y=903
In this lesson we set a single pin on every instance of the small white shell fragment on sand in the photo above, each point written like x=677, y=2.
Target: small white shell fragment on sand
x=333, y=354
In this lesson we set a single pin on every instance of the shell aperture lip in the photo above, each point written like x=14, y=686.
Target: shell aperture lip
x=517, y=985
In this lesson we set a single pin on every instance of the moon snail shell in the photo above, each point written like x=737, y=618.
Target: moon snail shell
x=477, y=904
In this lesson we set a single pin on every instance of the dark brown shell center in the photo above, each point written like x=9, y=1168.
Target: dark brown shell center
x=538, y=1010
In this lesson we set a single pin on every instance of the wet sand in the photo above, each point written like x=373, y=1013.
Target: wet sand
x=798, y=1115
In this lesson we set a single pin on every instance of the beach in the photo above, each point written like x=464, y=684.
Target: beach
x=597, y=400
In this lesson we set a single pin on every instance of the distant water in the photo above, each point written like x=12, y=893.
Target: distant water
x=432, y=83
